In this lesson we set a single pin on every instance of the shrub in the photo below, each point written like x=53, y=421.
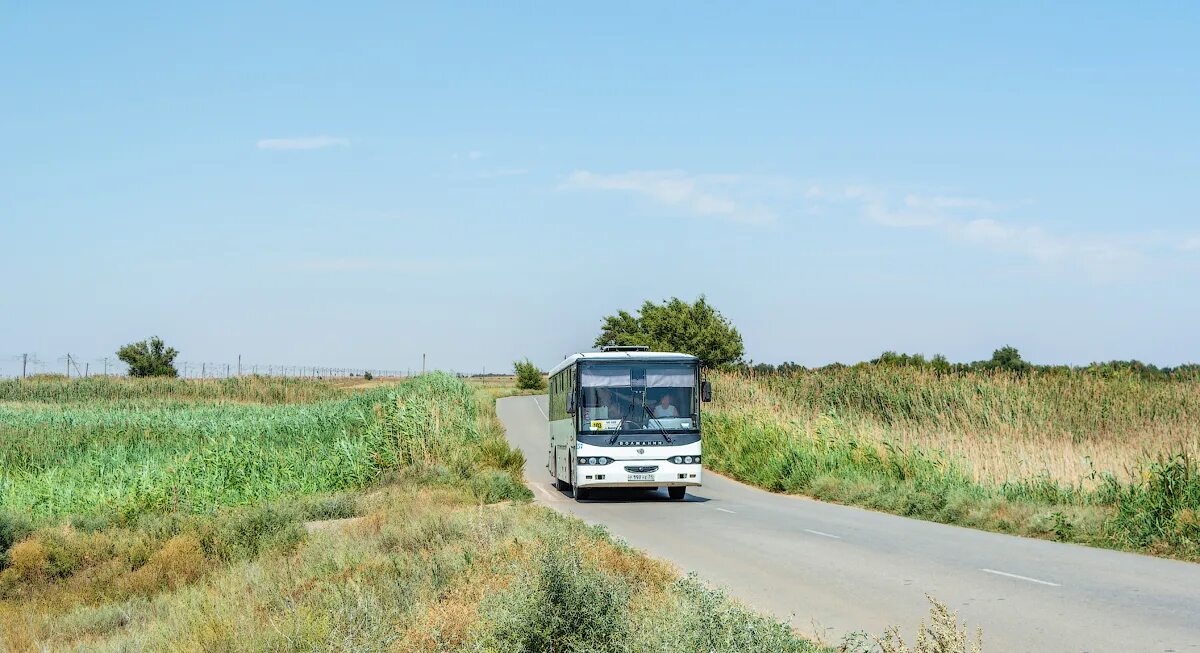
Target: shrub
x=707, y=621
x=529, y=377
x=13, y=529
x=492, y=485
x=29, y=559
x=942, y=635
x=321, y=508
x=565, y=607
x=495, y=451
x=180, y=561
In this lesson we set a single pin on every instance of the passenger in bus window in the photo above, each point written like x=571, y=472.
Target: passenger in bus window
x=664, y=408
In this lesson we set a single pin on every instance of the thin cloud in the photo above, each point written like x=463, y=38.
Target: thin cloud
x=962, y=220
x=337, y=265
x=703, y=195
x=302, y=143
x=966, y=221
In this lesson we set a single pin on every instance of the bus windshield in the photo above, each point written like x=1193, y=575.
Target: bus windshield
x=641, y=396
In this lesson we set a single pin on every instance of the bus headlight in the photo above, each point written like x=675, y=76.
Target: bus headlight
x=591, y=461
x=602, y=460
x=685, y=460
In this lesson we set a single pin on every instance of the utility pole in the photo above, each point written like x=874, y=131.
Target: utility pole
x=106, y=366
x=422, y=363
x=239, y=364
x=87, y=367
x=24, y=364
x=68, y=365
x=226, y=370
x=203, y=370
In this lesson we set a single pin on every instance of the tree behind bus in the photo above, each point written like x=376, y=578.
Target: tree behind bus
x=529, y=377
x=675, y=325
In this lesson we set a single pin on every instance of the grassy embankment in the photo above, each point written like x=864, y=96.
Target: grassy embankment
x=1107, y=461
x=171, y=515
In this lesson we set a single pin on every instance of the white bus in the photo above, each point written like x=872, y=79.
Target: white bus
x=626, y=417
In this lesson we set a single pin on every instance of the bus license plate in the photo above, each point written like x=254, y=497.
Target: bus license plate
x=641, y=477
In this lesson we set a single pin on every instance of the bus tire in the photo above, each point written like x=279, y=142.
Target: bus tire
x=676, y=493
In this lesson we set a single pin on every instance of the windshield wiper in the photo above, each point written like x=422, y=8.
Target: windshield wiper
x=622, y=424
x=657, y=421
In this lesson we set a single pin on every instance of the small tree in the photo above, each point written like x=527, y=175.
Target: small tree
x=1007, y=359
x=675, y=325
x=149, y=358
x=529, y=377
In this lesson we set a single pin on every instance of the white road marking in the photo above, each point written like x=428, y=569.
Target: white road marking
x=539, y=407
x=728, y=511
x=1019, y=577
x=829, y=535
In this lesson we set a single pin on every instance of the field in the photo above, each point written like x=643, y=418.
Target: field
x=1108, y=460
x=116, y=450
x=256, y=514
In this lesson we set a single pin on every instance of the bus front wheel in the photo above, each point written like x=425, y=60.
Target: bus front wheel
x=676, y=493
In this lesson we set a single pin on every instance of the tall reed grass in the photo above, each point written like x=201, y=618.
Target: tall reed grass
x=1106, y=461
x=257, y=389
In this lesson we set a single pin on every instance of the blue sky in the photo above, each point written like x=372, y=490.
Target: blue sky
x=331, y=185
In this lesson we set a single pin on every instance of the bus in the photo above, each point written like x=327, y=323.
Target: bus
x=626, y=417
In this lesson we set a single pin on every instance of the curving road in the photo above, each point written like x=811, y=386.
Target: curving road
x=831, y=570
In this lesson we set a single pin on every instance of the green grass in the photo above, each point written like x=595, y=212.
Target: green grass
x=1118, y=469
x=121, y=458
x=211, y=552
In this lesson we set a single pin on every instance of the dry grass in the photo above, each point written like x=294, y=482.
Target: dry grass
x=427, y=569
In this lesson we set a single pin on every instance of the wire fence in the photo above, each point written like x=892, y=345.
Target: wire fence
x=27, y=365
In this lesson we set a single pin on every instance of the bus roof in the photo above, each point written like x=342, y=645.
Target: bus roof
x=620, y=356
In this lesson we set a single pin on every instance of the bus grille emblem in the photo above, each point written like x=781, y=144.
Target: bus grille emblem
x=641, y=451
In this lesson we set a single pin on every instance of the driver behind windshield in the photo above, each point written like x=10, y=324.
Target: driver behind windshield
x=664, y=408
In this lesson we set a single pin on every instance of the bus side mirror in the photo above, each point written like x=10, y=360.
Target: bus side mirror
x=705, y=391
x=571, y=404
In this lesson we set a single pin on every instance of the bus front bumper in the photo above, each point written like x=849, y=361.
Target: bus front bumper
x=641, y=473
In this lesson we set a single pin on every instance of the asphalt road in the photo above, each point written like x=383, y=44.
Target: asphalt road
x=831, y=570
